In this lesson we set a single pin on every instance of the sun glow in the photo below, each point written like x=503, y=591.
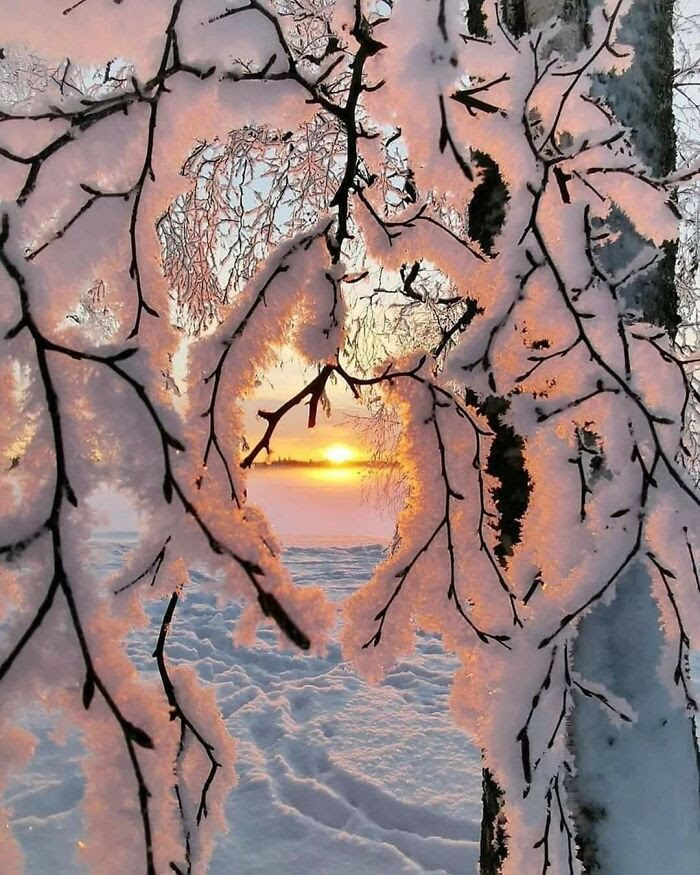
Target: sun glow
x=339, y=454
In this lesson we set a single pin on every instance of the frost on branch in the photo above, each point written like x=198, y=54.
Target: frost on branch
x=192, y=190
x=248, y=195
x=597, y=396
x=121, y=401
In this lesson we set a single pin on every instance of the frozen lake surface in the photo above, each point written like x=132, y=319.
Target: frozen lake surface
x=334, y=776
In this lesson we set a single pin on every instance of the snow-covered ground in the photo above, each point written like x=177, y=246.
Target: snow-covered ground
x=334, y=775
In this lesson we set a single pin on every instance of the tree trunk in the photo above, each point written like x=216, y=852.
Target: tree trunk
x=636, y=788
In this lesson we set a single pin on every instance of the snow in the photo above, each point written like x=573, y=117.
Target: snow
x=621, y=650
x=320, y=505
x=274, y=702
x=331, y=771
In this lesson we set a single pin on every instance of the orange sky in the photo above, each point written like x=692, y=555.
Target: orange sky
x=340, y=504
x=292, y=438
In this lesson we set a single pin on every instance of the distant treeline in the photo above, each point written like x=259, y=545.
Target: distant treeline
x=324, y=463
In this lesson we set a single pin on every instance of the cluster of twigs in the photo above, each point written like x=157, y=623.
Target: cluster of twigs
x=87, y=113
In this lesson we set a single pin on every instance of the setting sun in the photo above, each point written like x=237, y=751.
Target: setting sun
x=339, y=454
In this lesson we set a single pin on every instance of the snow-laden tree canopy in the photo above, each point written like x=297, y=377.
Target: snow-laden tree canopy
x=187, y=186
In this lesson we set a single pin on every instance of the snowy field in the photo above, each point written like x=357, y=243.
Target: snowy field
x=334, y=776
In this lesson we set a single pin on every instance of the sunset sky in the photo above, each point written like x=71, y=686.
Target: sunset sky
x=292, y=438
x=337, y=504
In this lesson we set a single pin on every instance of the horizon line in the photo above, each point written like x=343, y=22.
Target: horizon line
x=325, y=463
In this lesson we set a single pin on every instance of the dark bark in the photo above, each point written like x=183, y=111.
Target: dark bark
x=487, y=208
x=493, y=835
x=515, y=16
x=476, y=20
x=486, y=216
